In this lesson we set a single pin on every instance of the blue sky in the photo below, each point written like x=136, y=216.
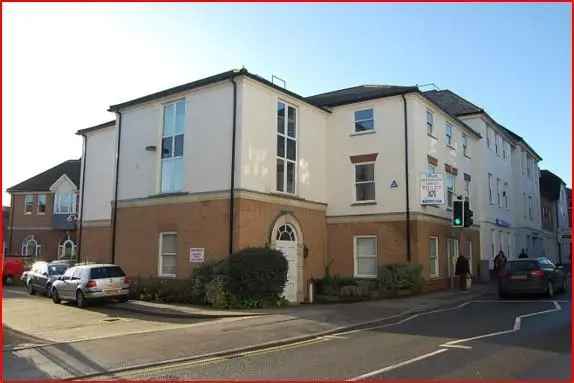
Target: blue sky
x=65, y=64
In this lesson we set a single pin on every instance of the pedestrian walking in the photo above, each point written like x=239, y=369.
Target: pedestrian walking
x=499, y=263
x=462, y=269
x=523, y=254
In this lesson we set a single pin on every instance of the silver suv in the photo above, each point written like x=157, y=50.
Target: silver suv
x=83, y=283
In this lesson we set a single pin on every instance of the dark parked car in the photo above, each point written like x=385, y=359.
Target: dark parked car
x=43, y=274
x=531, y=276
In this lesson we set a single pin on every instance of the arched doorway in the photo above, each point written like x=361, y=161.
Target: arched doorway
x=67, y=249
x=286, y=237
x=30, y=247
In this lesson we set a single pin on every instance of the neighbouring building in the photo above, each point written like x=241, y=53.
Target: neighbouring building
x=5, y=223
x=234, y=160
x=44, y=213
x=506, y=181
x=555, y=220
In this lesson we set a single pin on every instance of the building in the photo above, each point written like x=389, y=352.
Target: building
x=43, y=213
x=555, y=220
x=233, y=160
x=507, y=182
x=5, y=223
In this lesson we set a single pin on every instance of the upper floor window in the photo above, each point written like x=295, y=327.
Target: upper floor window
x=448, y=134
x=286, y=147
x=497, y=145
x=504, y=150
x=490, y=192
x=530, y=208
x=172, y=147
x=450, y=189
x=467, y=186
x=498, y=199
x=489, y=137
x=505, y=195
x=364, y=120
x=28, y=203
x=465, y=148
x=365, y=182
x=42, y=204
x=523, y=162
x=65, y=203
x=430, y=123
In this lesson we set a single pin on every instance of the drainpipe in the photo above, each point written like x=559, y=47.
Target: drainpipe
x=115, y=217
x=232, y=180
x=82, y=190
x=407, y=197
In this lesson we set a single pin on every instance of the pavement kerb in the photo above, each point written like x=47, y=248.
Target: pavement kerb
x=276, y=343
x=160, y=312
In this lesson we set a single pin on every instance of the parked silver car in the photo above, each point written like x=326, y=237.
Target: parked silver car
x=83, y=283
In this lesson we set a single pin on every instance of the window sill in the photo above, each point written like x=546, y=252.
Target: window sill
x=450, y=147
x=434, y=276
x=431, y=136
x=27, y=213
x=363, y=133
x=170, y=276
x=365, y=276
x=360, y=203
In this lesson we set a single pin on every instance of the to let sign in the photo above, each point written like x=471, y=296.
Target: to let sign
x=196, y=255
x=432, y=189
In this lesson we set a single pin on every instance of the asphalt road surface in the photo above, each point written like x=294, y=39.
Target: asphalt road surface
x=521, y=339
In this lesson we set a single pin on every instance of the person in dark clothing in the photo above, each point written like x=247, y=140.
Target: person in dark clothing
x=499, y=263
x=462, y=269
x=523, y=254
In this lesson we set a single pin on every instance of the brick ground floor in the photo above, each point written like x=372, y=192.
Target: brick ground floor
x=42, y=243
x=155, y=236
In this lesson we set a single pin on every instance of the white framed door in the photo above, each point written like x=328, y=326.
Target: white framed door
x=289, y=250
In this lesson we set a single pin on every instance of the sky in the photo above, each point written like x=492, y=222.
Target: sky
x=65, y=64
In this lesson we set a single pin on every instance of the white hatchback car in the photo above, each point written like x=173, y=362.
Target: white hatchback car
x=83, y=283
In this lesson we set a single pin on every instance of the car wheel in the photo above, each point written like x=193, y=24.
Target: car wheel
x=8, y=280
x=55, y=296
x=123, y=299
x=49, y=290
x=550, y=289
x=30, y=288
x=80, y=299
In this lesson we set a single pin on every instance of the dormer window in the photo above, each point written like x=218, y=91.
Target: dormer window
x=65, y=203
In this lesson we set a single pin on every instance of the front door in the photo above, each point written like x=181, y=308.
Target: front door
x=289, y=250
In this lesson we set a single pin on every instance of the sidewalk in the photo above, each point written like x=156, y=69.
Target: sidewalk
x=340, y=313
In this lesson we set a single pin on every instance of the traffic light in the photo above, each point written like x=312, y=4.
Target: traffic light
x=457, y=213
x=467, y=219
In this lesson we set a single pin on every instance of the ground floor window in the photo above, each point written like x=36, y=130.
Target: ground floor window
x=167, y=254
x=31, y=248
x=365, y=256
x=67, y=249
x=433, y=256
x=452, y=254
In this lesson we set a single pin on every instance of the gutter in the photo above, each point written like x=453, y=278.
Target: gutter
x=407, y=196
x=232, y=180
x=82, y=189
x=115, y=217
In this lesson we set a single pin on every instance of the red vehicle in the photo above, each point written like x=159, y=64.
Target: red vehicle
x=12, y=269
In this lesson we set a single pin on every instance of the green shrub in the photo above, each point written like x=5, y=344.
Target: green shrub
x=332, y=285
x=393, y=278
x=256, y=273
x=217, y=295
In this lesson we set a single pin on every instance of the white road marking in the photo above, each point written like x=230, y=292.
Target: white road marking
x=401, y=364
x=456, y=346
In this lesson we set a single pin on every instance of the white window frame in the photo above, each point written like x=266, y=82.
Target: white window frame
x=62, y=249
x=437, y=256
x=506, y=196
x=498, y=199
x=451, y=258
x=162, y=136
x=355, y=183
x=489, y=133
x=465, y=147
x=357, y=132
x=490, y=189
x=467, y=188
x=449, y=134
x=530, y=208
x=286, y=137
x=525, y=204
x=45, y=198
x=497, y=144
x=58, y=203
x=160, y=254
x=370, y=256
x=430, y=122
x=24, y=248
x=431, y=169
x=449, y=204
x=26, y=203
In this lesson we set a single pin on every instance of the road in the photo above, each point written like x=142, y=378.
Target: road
x=414, y=348
x=525, y=338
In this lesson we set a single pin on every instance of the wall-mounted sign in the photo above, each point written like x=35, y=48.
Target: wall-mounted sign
x=432, y=189
x=394, y=184
x=196, y=255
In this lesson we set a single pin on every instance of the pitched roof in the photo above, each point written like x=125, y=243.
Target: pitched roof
x=81, y=132
x=207, y=81
x=550, y=185
x=459, y=106
x=43, y=181
x=359, y=93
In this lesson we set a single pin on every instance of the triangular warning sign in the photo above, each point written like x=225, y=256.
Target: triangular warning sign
x=394, y=184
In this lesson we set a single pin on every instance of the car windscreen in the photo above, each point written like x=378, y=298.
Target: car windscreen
x=57, y=269
x=523, y=266
x=106, y=272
